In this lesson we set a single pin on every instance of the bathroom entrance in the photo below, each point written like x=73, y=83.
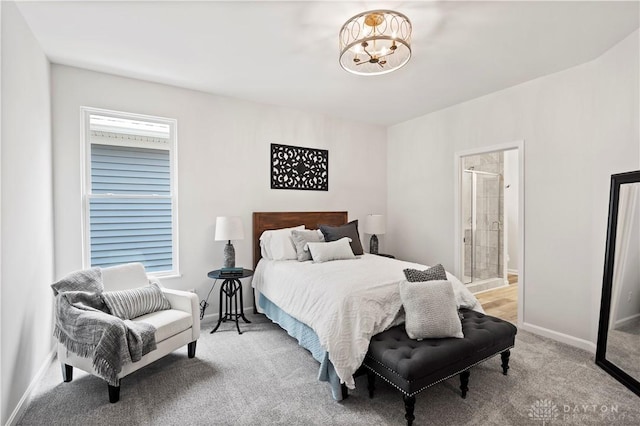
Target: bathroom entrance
x=488, y=228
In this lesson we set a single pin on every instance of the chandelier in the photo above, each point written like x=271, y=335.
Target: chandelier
x=375, y=42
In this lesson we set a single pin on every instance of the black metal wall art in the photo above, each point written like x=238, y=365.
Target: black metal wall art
x=295, y=167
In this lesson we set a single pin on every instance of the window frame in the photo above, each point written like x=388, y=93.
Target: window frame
x=86, y=189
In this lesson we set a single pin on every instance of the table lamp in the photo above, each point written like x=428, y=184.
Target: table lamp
x=375, y=225
x=229, y=228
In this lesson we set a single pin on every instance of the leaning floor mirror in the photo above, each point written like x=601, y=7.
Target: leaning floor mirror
x=618, y=349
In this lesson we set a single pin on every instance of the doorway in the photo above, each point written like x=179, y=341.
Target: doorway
x=489, y=237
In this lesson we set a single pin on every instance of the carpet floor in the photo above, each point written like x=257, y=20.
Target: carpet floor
x=263, y=377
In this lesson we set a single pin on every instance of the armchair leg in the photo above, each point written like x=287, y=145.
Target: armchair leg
x=67, y=372
x=114, y=393
x=191, y=349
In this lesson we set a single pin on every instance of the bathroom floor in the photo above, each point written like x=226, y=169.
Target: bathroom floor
x=501, y=302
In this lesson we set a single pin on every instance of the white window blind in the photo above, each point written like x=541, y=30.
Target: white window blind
x=131, y=202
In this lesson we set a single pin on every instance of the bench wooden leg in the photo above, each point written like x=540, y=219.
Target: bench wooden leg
x=409, y=406
x=464, y=382
x=505, y=361
x=371, y=382
x=114, y=393
x=67, y=372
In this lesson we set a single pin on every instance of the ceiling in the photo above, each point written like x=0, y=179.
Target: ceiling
x=286, y=53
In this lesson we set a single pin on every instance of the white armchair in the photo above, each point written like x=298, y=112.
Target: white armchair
x=175, y=327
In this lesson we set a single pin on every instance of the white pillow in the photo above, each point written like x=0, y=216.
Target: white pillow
x=430, y=310
x=278, y=245
x=334, y=250
x=264, y=250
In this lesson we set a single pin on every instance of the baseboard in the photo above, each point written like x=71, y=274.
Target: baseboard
x=560, y=337
x=512, y=271
x=624, y=321
x=23, y=404
x=213, y=316
x=490, y=289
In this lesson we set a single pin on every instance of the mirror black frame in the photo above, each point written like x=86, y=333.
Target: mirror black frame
x=607, y=283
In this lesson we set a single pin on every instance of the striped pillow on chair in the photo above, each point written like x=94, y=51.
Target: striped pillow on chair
x=128, y=304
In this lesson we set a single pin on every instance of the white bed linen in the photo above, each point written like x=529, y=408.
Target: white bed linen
x=345, y=302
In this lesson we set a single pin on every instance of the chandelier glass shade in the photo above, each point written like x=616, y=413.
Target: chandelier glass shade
x=375, y=42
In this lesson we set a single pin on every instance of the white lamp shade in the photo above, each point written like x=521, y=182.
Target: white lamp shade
x=229, y=228
x=375, y=224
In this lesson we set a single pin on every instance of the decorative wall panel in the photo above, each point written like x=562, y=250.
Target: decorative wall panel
x=295, y=167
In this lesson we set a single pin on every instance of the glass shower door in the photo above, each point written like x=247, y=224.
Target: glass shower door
x=467, y=225
x=482, y=226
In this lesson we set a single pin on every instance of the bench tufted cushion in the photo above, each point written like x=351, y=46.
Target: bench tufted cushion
x=413, y=365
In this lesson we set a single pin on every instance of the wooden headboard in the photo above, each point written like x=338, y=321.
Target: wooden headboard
x=263, y=221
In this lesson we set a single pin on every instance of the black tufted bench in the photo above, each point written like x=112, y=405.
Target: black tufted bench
x=412, y=365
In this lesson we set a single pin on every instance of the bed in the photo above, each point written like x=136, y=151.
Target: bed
x=332, y=308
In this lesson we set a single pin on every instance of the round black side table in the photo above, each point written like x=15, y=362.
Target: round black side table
x=231, y=288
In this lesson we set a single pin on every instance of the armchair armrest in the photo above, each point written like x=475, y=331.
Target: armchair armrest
x=187, y=302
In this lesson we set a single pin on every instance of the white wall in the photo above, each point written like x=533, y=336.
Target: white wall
x=26, y=210
x=223, y=154
x=511, y=190
x=2, y=401
x=579, y=127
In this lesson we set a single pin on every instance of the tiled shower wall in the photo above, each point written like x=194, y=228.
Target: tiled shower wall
x=489, y=201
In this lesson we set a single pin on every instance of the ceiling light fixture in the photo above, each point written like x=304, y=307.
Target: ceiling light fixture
x=375, y=42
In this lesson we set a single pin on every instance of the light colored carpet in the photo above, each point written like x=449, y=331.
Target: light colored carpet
x=263, y=377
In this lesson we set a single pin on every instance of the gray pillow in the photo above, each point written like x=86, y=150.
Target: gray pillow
x=135, y=302
x=300, y=240
x=334, y=233
x=430, y=310
x=89, y=280
x=436, y=272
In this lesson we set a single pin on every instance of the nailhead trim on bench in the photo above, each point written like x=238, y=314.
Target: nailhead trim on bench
x=428, y=386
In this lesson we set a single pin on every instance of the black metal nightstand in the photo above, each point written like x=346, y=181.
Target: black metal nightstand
x=230, y=287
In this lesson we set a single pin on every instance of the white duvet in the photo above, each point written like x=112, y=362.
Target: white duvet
x=345, y=302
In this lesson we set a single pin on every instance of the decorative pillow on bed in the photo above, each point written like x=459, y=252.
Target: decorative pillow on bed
x=430, y=310
x=300, y=240
x=334, y=233
x=278, y=245
x=135, y=302
x=334, y=250
x=436, y=272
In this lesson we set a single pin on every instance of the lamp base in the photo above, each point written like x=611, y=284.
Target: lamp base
x=373, y=245
x=229, y=256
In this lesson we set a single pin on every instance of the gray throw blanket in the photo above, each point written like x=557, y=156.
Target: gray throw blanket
x=84, y=326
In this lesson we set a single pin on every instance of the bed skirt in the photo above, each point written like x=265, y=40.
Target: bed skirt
x=308, y=339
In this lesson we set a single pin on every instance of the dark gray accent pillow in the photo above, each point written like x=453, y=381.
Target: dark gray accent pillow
x=135, y=302
x=436, y=272
x=89, y=280
x=334, y=233
x=300, y=240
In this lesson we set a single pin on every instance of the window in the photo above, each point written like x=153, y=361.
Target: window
x=130, y=191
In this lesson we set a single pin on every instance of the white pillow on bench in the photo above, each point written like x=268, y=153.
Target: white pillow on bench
x=430, y=310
